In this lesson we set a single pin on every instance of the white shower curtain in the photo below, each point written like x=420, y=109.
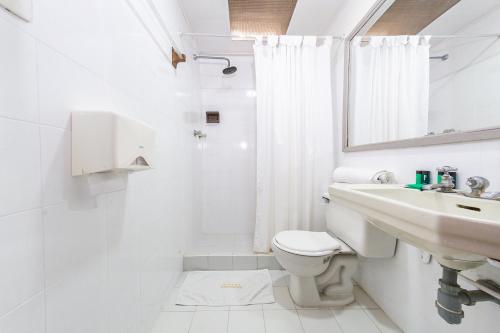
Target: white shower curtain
x=294, y=134
x=389, y=89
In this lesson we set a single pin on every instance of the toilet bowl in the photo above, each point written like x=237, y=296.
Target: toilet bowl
x=320, y=266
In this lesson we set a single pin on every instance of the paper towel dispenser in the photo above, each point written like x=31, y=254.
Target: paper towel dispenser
x=106, y=141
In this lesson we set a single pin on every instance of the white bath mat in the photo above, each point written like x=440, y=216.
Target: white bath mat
x=220, y=288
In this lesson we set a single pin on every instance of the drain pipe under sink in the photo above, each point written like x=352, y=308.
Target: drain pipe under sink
x=451, y=296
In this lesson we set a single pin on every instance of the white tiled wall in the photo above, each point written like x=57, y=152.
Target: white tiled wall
x=90, y=254
x=403, y=286
x=228, y=151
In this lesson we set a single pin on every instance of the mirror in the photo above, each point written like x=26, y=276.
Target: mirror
x=423, y=72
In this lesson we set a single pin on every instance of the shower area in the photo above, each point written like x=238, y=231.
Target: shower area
x=226, y=159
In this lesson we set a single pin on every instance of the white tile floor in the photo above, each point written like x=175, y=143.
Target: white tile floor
x=226, y=252
x=363, y=316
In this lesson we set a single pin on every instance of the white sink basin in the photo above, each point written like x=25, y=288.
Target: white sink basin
x=460, y=231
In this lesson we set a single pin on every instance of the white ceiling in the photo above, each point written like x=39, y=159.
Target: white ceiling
x=314, y=17
x=212, y=16
x=311, y=17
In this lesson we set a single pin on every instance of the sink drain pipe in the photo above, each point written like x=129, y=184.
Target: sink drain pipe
x=451, y=297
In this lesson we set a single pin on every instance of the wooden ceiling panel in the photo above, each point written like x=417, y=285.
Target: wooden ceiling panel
x=409, y=17
x=260, y=17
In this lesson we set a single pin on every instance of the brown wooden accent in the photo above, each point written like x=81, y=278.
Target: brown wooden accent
x=260, y=17
x=409, y=17
x=213, y=117
x=177, y=58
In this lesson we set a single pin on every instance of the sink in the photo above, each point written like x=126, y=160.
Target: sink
x=460, y=232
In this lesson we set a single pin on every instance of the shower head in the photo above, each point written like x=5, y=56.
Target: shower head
x=226, y=71
x=229, y=70
x=444, y=57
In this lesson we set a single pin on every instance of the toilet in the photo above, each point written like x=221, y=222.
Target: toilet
x=321, y=264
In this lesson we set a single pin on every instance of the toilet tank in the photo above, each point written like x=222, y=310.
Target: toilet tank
x=354, y=230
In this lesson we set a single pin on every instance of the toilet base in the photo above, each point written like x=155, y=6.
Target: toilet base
x=332, y=288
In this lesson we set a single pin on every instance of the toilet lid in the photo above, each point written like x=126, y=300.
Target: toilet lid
x=306, y=243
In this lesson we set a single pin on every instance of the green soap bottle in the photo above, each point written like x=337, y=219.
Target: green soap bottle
x=423, y=177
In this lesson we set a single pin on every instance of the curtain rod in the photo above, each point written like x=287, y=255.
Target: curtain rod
x=467, y=36
x=444, y=36
x=240, y=37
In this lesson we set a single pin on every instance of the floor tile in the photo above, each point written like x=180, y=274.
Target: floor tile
x=173, y=322
x=211, y=308
x=209, y=322
x=318, y=321
x=363, y=299
x=354, y=321
x=250, y=307
x=384, y=323
x=170, y=305
x=280, y=278
x=283, y=300
x=282, y=321
x=246, y=322
x=181, y=279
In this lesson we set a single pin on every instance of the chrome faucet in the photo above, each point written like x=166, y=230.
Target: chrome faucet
x=446, y=185
x=478, y=186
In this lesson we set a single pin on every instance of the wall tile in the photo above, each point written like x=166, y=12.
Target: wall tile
x=28, y=318
x=21, y=258
x=18, y=81
x=20, y=177
x=65, y=87
x=58, y=184
x=113, y=245
x=74, y=238
x=77, y=304
x=228, y=153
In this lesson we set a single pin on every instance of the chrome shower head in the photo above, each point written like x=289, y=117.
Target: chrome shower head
x=229, y=70
x=226, y=71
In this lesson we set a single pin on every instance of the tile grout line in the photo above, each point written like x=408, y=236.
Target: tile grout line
x=191, y=322
x=264, y=319
x=369, y=317
x=300, y=319
x=29, y=122
x=42, y=182
x=23, y=303
x=336, y=320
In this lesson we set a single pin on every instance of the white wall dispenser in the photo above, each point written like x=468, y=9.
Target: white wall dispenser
x=106, y=141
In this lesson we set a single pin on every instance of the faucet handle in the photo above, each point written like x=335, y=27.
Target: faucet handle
x=478, y=183
x=447, y=169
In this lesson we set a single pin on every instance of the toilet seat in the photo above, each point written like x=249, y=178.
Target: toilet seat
x=307, y=243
